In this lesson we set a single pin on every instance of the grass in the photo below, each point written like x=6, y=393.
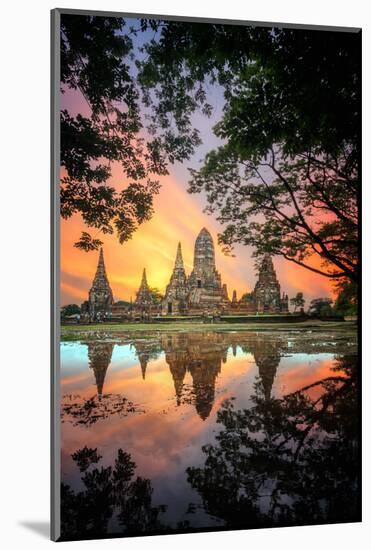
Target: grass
x=71, y=330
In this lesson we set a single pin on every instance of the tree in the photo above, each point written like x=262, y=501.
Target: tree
x=321, y=307
x=346, y=302
x=285, y=179
x=123, y=303
x=157, y=297
x=97, y=65
x=246, y=296
x=70, y=309
x=297, y=301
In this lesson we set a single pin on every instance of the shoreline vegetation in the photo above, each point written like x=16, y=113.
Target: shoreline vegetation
x=314, y=327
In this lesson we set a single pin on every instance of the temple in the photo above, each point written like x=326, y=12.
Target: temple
x=205, y=284
x=266, y=296
x=201, y=356
x=144, y=299
x=176, y=294
x=267, y=356
x=201, y=293
x=100, y=300
x=100, y=355
x=204, y=292
x=195, y=361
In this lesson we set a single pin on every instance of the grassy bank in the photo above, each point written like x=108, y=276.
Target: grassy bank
x=72, y=332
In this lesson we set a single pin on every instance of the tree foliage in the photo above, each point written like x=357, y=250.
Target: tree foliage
x=298, y=301
x=321, y=307
x=123, y=303
x=156, y=295
x=285, y=179
x=98, y=65
x=70, y=309
x=346, y=302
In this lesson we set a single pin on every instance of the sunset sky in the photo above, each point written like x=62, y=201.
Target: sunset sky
x=178, y=217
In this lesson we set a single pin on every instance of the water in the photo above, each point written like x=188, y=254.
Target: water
x=274, y=455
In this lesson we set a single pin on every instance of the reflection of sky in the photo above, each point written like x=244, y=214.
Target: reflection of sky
x=178, y=217
x=165, y=439
x=123, y=357
x=74, y=356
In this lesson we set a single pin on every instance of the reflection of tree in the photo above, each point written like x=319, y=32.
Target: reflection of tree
x=109, y=493
x=87, y=412
x=81, y=411
x=286, y=461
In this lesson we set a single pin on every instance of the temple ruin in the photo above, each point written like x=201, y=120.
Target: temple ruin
x=100, y=301
x=201, y=293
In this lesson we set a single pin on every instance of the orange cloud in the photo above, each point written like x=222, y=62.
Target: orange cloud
x=178, y=217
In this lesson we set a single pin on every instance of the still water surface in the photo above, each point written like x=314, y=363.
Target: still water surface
x=271, y=411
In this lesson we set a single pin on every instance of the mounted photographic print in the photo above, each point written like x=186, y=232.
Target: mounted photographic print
x=206, y=275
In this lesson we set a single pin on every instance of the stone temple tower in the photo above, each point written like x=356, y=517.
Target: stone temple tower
x=176, y=294
x=206, y=290
x=144, y=300
x=100, y=295
x=267, y=292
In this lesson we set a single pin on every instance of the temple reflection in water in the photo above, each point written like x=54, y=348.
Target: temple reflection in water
x=189, y=408
x=199, y=354
x=100, y=355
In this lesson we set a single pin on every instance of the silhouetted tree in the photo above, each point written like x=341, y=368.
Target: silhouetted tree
x=285, y=180
x=321, y=307
x=297, y=301
x=70, y=309
x=346, y=302
x=97, y=64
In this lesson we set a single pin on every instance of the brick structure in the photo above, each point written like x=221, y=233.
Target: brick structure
x=99, y=303
x=202, y=293
x=200, y=355
x=266, y=296
x=176, y=294
x=205, y=284
x=144, y=300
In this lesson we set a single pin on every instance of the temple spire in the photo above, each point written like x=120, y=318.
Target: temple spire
x=225, y=292
x=267, y=291
x=100, y=355
x=179, y=258
x=144, y=283
x=100, y=294
x=177, y=290
x=101, y=268
x=144, y=296
x=143, y=360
